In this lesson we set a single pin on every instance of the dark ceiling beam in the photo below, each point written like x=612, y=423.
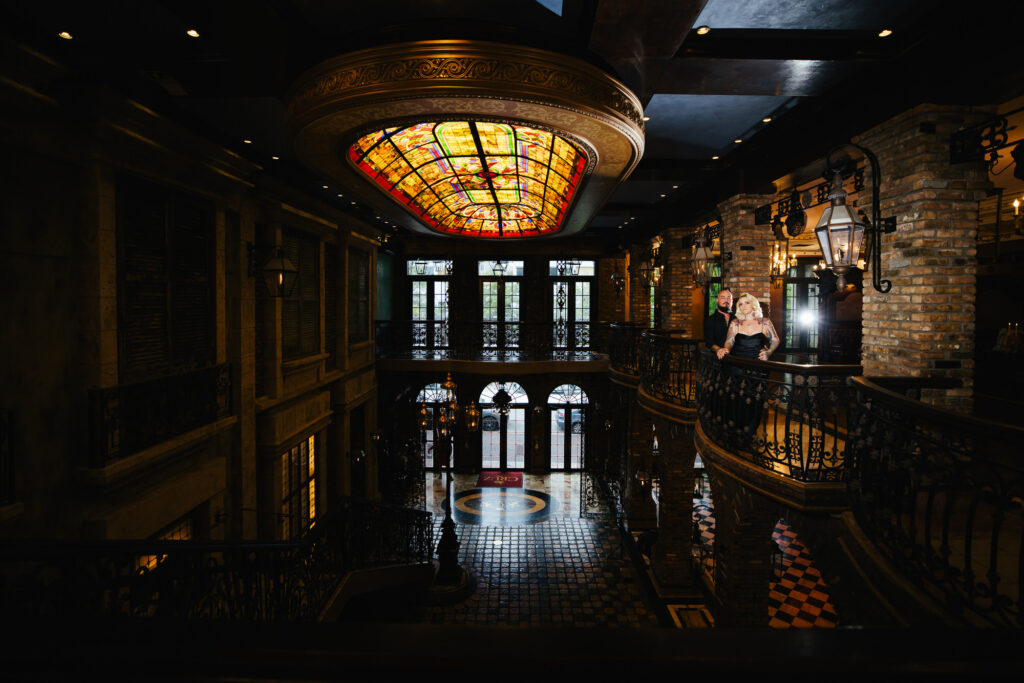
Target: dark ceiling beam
x=705, y=76
x=780, y=44
x=627, y=33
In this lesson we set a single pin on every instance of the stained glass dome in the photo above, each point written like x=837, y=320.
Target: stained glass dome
x=475, y=178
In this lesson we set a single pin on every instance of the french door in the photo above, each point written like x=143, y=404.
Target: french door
x=501, y=313
x=571, y=314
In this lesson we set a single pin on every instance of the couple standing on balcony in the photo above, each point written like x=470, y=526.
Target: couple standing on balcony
x=747, y=334
x=752, y=335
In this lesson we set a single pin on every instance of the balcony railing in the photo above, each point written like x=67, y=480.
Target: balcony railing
x=225, y=581
x=131, y=417
x=454, y=340
x=624, y=343
x=668, y=366
x=790, y=419
x=941, y=495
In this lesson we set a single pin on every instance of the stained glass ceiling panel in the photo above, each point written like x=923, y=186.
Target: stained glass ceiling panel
x=475, y=178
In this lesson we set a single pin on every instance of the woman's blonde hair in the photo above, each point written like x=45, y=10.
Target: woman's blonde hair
x=755, y=314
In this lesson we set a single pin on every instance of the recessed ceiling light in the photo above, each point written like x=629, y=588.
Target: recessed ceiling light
x=275, y=158
x=247, y=141
x=192, y=33
x=662, y=195
x=340, y=194
x=675, y=187
x=714, y=158
x=766, y=119
x=738, y=140
x=324, y=186
x=632, y=218
x=352, y=203
x=65, y=35
x=647, y=118
x=885, y=32
x=703, y=30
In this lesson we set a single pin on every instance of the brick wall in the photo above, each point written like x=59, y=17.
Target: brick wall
x=639, y=291
x=924, y=326
x=611, y=305
x=751, y=247
x=677, y=282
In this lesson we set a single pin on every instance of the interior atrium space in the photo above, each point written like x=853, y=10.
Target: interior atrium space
x=346, y=338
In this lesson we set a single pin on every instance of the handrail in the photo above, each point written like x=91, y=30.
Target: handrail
x=473, y=340
x=624, y=341
x=789, y=418
x=668, y=366
x=939, y=493
x=247, y=580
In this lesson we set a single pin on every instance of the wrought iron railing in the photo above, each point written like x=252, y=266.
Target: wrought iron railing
x=791, y=419
x=624, y=344
x=668, y=366
x=219, y=580
x=942, y=495
x=130, y=417
x=483, y=340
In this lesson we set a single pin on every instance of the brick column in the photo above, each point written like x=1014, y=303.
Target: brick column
x=924, y=326
x=744, y=522
x=677, y=282
x=611, y=304
x=751, y=247
x=673, y=552
x=639, y=291
x=640, y=507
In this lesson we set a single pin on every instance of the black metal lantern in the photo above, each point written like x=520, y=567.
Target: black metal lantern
x=280, y=274
x=502, y=400
x=840, y=232
x=701, y=259
x=498, y=268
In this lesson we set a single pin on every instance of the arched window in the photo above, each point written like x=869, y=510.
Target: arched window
x=503, y=426
x=567, y=405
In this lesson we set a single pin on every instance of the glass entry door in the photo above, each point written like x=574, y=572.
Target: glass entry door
x=503, y=436
x=568, y=407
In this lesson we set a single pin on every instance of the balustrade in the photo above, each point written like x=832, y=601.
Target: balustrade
x=942, y=496
x=211, y=580
x=624, y=347
x=454, y=340
x=668, y=366
x=789, y=418
x=130, y=417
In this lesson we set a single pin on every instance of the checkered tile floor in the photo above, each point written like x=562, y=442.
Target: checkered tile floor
x=563, y=571
x=798, y=597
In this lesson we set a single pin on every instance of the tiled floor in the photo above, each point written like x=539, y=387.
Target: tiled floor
x=798, y=598
x=562, y=571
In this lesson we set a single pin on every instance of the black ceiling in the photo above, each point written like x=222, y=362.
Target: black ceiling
x=817, y=68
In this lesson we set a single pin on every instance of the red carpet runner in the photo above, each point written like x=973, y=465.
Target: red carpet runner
x=508, y=480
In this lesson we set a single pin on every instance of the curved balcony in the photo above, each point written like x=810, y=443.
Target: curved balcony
x=790, y=419
x=668, y=373
x=624, y=351
x=941, y=496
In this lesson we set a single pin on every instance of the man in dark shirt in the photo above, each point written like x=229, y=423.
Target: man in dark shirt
x=716, y=327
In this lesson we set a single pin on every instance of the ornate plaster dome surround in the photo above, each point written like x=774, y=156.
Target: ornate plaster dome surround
x=353, y=97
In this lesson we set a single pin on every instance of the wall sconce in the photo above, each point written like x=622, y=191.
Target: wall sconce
x=841, y=233
x=279, y=274
x=782, y=260
x=618, y=282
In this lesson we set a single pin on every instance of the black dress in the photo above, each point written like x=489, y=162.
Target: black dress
x=748, y=384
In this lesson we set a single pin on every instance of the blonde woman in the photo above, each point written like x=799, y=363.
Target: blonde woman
x=751, y=335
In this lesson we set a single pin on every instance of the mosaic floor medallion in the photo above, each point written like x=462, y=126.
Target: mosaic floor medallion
x=502, y=507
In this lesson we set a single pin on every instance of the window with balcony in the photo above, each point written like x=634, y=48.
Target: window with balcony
x=571, y=287
x=166, y=280
x=428, y=283
x=499, y=295
x=300, y=311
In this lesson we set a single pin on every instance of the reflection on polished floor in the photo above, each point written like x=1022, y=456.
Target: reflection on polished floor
x=532, y=569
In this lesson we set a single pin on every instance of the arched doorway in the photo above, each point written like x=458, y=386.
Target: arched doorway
x=432, y=396
x=503, y=426
x=567, y=425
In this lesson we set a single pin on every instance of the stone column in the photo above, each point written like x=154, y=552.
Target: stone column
x=924, y=326
x=750, y=245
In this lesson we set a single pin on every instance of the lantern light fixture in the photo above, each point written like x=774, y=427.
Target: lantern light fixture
x=841, y=232
x=279, y=273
